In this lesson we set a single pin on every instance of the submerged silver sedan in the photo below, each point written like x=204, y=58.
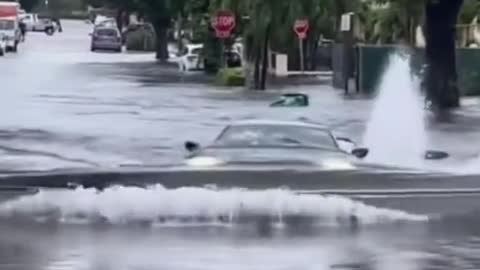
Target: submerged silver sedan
x=304, y=158
x=257, y=143
x=283, y=143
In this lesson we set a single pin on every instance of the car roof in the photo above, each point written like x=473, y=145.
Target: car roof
x=267, y=122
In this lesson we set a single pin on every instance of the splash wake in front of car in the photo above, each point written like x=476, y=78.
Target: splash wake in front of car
x=157, y=205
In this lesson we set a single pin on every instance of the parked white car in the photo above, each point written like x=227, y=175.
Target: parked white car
x=190, y=57
x=34, y=23
x=103, y=21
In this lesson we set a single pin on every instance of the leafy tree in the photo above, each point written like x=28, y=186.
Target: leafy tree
x=28, y=5
x=159, y=12
x=394, y=21
x=268, y=24
x=440, y=17
x=469, y=10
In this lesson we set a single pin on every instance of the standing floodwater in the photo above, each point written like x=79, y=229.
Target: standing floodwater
x=396, y=131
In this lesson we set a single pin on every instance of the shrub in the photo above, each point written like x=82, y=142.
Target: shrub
x=231, y=77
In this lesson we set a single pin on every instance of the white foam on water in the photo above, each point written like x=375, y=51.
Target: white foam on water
x=124, y=205
x=396, y=131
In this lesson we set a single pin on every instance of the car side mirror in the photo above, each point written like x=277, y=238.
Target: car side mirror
x=436, y=155
x=192, y=146
x=345, y=144
x=360, y=152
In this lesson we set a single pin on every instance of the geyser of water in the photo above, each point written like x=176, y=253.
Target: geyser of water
x=396, y=132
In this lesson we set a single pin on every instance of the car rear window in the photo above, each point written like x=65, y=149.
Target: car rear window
x=107, y=32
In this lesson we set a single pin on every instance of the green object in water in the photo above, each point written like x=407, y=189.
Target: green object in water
x=230, y=77
x=292, y=100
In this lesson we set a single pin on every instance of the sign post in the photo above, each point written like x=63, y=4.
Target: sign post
x=301, y=28
x=348, y=50
x=224, y=23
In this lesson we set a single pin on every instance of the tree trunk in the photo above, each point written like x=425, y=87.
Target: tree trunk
x=256, y=69
x=263, y=82
x=340, y=9
x=179, y=32
x=312, y=48
x=122, y=19
x=161, y=30
x=441, y=77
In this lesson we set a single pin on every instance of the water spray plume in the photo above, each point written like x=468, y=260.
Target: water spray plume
x=396, y=131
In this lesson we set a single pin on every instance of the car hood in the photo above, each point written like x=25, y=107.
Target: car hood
x=273, y=156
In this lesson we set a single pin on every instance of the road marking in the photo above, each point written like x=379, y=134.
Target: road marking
x=389, y=193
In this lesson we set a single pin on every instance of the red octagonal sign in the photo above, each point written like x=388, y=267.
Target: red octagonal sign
x=224, y=22
x=301, y=28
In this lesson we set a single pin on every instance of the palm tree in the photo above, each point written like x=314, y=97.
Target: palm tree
x=469, y=11
x=322, y=23
x=270, y=25
x=389, y=21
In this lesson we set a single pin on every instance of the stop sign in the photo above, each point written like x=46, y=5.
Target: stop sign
x=301, y=28
x=224, y=22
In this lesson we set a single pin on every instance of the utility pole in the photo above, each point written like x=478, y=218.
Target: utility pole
x=348, y=49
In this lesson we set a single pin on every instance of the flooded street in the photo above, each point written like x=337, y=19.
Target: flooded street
x=64, y=107
x=69, y=107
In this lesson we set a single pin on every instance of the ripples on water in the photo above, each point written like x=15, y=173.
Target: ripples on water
x=75, y=246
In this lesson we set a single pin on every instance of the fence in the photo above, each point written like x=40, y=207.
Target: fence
x=371, y=60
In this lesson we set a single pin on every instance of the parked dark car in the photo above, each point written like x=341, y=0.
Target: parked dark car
x=233, y=59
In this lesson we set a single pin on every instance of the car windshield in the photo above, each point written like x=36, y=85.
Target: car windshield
x=275, y=136
x=7, y=25
x=107, y=32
